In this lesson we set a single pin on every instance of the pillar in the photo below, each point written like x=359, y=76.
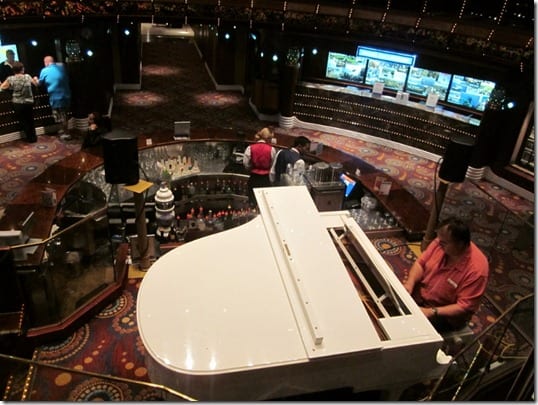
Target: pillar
x=289, y=75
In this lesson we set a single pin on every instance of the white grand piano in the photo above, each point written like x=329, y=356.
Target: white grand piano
x=295, y=301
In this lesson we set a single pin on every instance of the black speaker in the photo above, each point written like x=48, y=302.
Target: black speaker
x=10, y=293
x=456, y=159
x=120, y=156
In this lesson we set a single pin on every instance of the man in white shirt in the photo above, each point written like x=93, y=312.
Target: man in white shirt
x=291, y=156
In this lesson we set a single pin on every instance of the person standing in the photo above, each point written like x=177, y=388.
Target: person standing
x=258, y=159
x=449, y=278
x=22, y=98
x=54, y=78
x=6, y=68
x=291, y=156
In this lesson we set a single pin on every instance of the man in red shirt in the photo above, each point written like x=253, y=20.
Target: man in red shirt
x=449, y=278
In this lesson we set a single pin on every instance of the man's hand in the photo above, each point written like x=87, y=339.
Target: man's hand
x=408, y=287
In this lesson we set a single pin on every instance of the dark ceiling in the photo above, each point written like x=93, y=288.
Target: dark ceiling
x=502, y=30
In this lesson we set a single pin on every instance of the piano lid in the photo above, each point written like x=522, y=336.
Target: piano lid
x=271, y=292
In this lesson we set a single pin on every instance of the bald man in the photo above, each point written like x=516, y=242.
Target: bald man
x=54, y=78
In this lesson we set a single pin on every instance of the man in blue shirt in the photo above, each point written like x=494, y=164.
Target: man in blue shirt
x=54, y=77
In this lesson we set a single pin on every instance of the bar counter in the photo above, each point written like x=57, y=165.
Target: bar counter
x=406, y=122
x=76, y=263
x=63, y=175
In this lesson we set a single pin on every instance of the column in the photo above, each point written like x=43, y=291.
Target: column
x=289, y=75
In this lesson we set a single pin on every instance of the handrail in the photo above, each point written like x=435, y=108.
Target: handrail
x=459, y=358
x=86, y=218
x=98, y=375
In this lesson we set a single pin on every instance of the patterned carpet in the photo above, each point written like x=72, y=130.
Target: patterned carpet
x=175, y=86
x=20, y=162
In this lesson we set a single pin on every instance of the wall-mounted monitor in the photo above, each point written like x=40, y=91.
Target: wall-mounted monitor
x=423, y=82
x=392, y=75
x=470, y=92
x=4, y=48
x=345, y=67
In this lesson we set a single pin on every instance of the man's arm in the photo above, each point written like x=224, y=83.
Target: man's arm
x=246, y=158
x=416, y=272
x=273, y=175
x=4, y=85
x=448, y=311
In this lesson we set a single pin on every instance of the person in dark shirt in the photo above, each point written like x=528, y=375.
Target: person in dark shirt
x=6, y=68
x=291, y=156
x=97, y=127
x=22, y=98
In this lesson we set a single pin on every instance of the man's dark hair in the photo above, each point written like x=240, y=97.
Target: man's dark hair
x=458, y=230
x=301, y=141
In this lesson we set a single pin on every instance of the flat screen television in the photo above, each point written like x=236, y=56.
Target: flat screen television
x=470, y=92
x=349, y=183
x=425, y=81
x=4, y=48
x=392, y=75
x=345, y=67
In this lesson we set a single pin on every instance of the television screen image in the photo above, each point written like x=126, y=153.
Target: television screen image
x=345, y=67
x=392, y=75
x=424, y=81
x=4, y=48
x=349, y=183
x=469, y=92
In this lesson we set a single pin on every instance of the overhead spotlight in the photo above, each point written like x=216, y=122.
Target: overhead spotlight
x=126, y=32
x=89, y=53
x=253, y=36
x=262, y=54
x=314, y=51
x=275, y=57
x=33, y=42
x=510, y=105
x=227, y=36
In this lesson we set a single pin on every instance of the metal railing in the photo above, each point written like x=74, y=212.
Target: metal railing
x=498, y=361
x=35, y=363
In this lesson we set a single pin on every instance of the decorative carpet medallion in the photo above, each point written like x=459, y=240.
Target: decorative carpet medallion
x=67, y=348
x=34, y=168
x=12, y=184
x=522, y=278
x=121, y=304
x=159, y=70
x=218, y=99
x=389, y=247
x=142, y=99
x=100, y=390
x=483, y=239
x=126, y=322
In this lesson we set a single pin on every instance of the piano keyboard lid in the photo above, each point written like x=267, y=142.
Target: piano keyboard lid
x=330, y=315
